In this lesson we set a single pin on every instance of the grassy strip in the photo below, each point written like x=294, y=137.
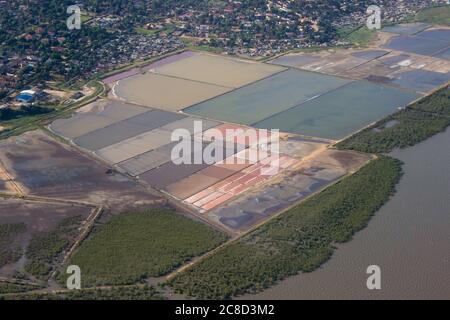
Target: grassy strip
x=124, y=293
x=146, y=32
x=6, y=288
x=25, y=111
x=360, y=37
x=300, y=240
x=415, y=124
x=134, y=246
x=45, y=247
x=9, y=254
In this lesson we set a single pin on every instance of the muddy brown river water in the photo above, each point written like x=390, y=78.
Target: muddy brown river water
x=409, y=238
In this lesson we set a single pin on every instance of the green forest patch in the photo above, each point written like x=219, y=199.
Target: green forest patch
x=299, y=240
x=45, y=248
x=120, y=293
x=8, y=252
x=6, y=288
x=133, y=246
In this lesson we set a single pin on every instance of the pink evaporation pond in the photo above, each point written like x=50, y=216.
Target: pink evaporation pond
x=237, y=183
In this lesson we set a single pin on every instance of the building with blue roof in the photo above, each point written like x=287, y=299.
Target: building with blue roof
x=26, y=96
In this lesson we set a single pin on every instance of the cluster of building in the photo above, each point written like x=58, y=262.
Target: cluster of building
x=277, y=26
x=243, y=30
x=392, y=11
x=10, y=70
x=122, y=48
x=130, y=47
x=24, y=98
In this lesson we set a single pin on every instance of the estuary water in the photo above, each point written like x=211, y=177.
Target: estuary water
x=409, y=239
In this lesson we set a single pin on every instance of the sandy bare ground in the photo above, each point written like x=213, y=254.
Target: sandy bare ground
x=46, y=168
x=165, y=92
x=38, y=216
x=59, y=93
x=9, y=185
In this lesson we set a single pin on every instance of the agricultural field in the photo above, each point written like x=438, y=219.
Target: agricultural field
x=134, y=246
